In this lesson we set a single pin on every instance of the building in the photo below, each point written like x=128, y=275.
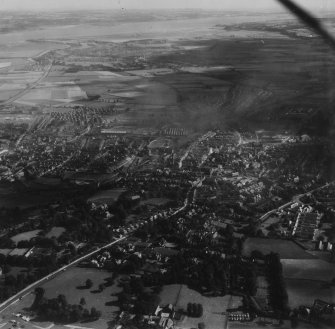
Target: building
x=306, y=225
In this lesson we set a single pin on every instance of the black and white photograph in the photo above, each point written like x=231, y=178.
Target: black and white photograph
x=167, y=164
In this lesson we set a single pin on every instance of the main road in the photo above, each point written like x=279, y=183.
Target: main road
x=29, y=87
x=29, y=288
x=296, y=198
x=14, y=299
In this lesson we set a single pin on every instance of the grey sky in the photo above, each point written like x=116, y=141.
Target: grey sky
x=148, y=4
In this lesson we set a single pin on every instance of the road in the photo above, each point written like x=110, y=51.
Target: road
x=225, y=323
x=31, y=86
x=296, y=198
x=12, y=300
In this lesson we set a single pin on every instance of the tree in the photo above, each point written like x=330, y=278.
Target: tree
x=62, y=300
x=256, y=254
x=10, y=280
x=94, y=313
x=251, y=282
x=82, y=301
x=86, y=314
x=89, y=283
x=200, y=310
x=137, y=286
x=6, y=269
x=39, y=294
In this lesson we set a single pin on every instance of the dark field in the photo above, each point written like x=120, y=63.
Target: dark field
x=286, y=249
x=267, y=79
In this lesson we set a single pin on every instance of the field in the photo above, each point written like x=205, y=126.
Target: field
x=67, y=284
x=106, y=196
x=213, y=317
x=308, y=269
x=304, y=292
x=156, y=201
x=55, y=93
x=261, y=323
x=25, y=236
x=55, y=232
x=307, y=280
x=13, y=82
x=286, y=249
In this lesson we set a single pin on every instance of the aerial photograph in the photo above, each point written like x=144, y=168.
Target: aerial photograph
x=167, y=164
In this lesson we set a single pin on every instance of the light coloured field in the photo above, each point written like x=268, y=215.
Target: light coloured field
x=20, y=77
x=14, y=82
x=12, y=86
x=26, y=49
x=150, y=73
x=55, y=232
x=3, y=65
x=25, y=236
x=4, y=95
x=128, y=94
x=19, y=252
x=107, y=196
x=203, y=69
x=61, y=92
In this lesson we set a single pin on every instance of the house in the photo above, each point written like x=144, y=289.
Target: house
x=166, y=315
x=306, y=225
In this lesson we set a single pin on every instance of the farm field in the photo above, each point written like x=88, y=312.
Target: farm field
x=285, y=248
x=54, y=92
x=26, y=49
x=67, y=284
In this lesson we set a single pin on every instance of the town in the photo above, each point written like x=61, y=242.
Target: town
x=133, y=196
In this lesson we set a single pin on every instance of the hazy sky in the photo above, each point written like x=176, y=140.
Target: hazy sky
x=147, y=4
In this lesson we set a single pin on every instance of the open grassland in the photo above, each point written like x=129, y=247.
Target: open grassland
x=67, y=284
x=25, y=236
x=55, y=232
